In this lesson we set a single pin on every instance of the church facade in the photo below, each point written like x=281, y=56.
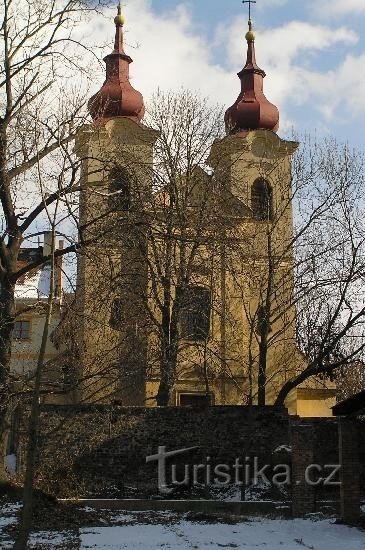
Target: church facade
x=186, y=296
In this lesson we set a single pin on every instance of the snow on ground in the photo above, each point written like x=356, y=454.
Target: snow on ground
x=52, y=539
x=171, y=531
x=7, y=518
x=264, y=533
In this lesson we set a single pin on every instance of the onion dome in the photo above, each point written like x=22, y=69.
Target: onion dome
x=117, y=97
x=251, y=109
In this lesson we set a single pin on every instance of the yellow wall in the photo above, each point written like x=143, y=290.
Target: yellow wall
x=237, y=276
x=25, y=352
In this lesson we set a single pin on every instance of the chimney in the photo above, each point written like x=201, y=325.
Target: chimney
x=47, y=243
x=58, y=274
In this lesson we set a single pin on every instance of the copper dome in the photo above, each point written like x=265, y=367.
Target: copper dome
x=251, y=110
x=117, y=97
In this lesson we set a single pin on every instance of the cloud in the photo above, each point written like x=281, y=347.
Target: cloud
x=271, y=3
x=341, y=92
x=283, y=44
x=341, y=7
x=170, y=51
x=285, y=53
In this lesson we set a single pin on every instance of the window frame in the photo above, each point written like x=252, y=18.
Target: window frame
x=262, y=200
x=27, y=338
x=185, y=310
x=119, y=202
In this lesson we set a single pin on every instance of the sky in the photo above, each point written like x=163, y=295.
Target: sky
x=313, y=54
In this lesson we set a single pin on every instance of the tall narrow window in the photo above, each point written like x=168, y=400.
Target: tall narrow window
x=22, y=330
x=261, y=200
x=119, y=189
x=117, y=314
x=195, y=313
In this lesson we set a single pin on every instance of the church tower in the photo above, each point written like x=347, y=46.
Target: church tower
x=254, y=165
x=116, y=155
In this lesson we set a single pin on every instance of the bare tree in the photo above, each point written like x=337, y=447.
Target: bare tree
x=330, y=276
x=197, y=244
x=297, y=265
x=33, y=429
x=307, y=318
x=41, y=112
x=181, y=224
x=159, y=219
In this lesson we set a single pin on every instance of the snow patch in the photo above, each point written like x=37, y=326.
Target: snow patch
x=10, y=464
x=11, y=508
x=49, y=538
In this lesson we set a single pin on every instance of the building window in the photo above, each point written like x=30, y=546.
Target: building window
x=22, y=330
x=261, y=200
x=116, y=316
x=195, y=399
x=195, y=313
x=119, y=189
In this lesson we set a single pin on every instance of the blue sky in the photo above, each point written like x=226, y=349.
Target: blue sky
x=337, y=64
x=313, y=53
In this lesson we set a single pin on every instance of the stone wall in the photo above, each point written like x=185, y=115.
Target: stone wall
x=101, y=450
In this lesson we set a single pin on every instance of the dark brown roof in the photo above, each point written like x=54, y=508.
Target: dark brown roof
x=251, y=110
x=117, y=97
x=353, y=405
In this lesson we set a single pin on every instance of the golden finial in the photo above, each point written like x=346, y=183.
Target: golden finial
x=119, y=19
x=250, y=35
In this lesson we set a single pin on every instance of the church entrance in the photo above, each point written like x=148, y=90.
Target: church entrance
x=194, y=399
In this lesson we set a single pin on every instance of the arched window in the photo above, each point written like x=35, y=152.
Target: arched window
x=119, y=189
x=261, y=200
x=117, y=316
x=195, y=313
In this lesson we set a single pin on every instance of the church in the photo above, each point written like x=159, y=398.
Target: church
x=185, y=285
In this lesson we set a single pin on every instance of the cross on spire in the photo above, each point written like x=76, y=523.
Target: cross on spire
x=249, y=2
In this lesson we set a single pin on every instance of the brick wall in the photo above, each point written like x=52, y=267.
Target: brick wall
x=350, y=469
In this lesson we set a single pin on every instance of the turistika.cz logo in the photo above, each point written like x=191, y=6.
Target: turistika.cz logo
x=242, y=473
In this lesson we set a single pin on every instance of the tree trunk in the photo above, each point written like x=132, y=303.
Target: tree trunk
x=27, y=511
x=168, y=375
x=168, y=365
x=169, y=349
x=261, y=395
x=7, y=317
x=222, y=323
x=265, y=326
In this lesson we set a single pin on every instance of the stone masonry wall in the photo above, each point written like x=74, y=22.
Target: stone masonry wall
x=101, y=450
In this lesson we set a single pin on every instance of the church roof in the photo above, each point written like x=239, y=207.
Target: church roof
x=251, y=110
x=117, y=97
